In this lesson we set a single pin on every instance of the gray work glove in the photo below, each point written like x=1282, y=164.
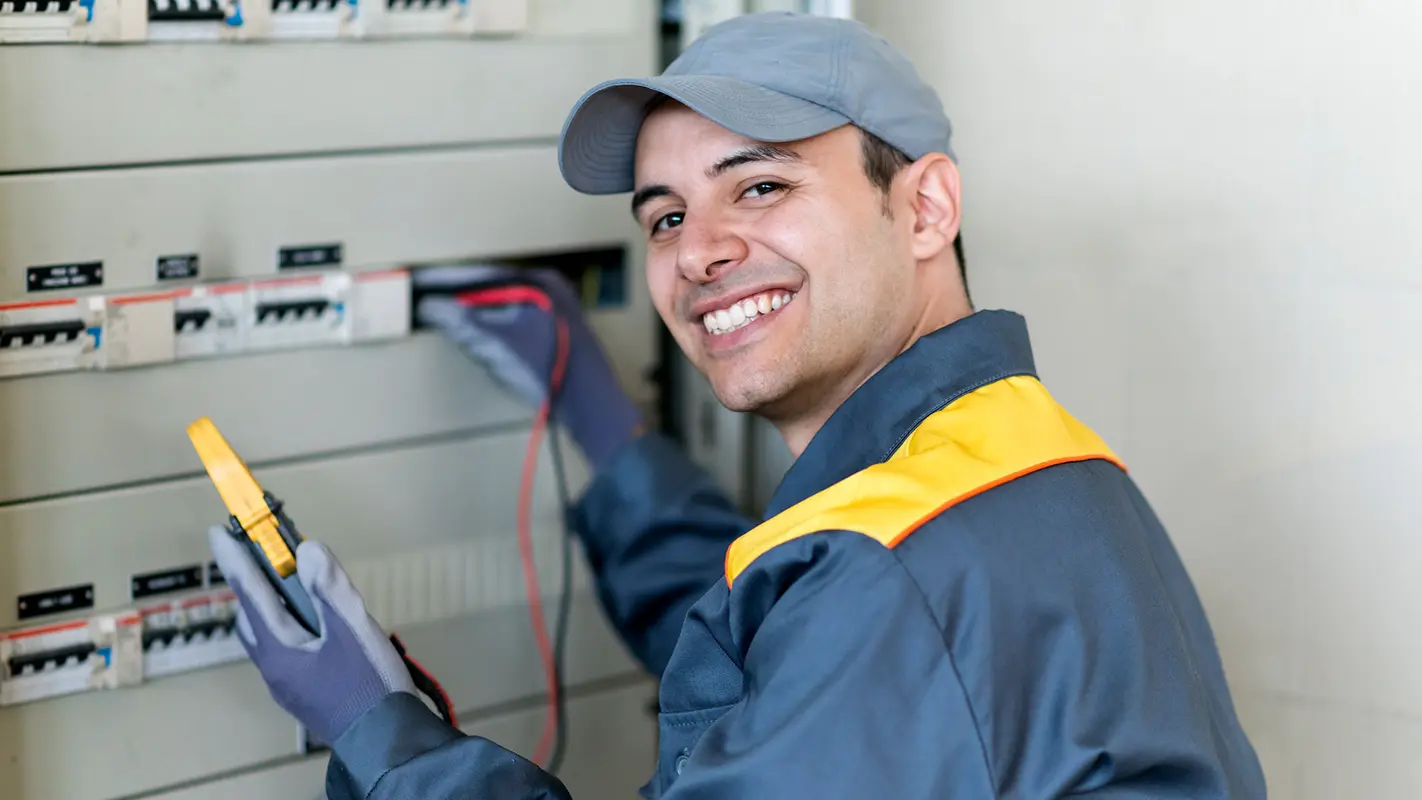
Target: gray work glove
x=325, y=682
x=516, y=339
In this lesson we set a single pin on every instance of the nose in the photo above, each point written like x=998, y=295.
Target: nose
x=707, y=247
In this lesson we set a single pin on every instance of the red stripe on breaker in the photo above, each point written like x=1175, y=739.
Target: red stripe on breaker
x=39, y=304
x=302, y=281
x=56, y=628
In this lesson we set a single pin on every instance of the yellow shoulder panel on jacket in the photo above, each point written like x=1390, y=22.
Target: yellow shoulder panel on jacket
x=986, y=438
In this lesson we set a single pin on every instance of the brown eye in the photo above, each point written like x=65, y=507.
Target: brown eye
x=764, y=188
x=669, y=221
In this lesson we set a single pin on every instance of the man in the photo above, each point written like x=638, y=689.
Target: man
x=957, y=591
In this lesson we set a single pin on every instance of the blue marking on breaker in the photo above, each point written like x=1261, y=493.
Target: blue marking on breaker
x=235, y=18
x=96, y=332
x=88, y=6
x=108, y=655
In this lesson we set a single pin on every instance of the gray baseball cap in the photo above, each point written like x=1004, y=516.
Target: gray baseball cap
x=772, y=77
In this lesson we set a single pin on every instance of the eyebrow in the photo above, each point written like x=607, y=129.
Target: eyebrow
x=647, y=194
x=746, y=155
x=752, y=155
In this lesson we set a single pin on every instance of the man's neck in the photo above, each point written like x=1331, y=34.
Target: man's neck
x=799, y=430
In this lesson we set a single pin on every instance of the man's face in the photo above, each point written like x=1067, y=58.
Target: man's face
x=774, y=266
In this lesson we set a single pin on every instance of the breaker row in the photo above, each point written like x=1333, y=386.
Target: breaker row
x=112, y=651
x=103, y=332
x=96, y=21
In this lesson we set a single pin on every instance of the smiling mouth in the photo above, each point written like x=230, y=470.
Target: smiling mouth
x=744, y=312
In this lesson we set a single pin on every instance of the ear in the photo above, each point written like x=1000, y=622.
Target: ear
x=937, y=204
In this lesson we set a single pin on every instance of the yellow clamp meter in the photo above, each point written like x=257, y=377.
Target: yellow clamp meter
x=256, y=519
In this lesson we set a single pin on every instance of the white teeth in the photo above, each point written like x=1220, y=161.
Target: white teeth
x=743, y=312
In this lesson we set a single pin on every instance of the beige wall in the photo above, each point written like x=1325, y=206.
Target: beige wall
x=1207, y=212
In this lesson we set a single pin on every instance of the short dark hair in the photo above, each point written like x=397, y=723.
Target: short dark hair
x=882, y=162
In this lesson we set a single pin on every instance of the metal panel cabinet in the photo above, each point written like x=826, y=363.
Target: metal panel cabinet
x=401, y=454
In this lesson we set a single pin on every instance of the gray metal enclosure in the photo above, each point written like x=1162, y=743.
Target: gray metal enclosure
x=383, y=440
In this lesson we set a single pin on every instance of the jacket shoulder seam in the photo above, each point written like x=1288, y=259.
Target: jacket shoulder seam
x=952, y=664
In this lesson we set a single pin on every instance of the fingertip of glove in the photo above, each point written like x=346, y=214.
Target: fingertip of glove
x=440, y=309
x=319, y=569
x=312, y=557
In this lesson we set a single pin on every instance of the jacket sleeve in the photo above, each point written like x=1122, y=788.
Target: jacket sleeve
x=838, y=675
x=655, y=528
x=400, y=749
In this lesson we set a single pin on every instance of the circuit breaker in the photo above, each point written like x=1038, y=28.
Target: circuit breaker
x=157, y=21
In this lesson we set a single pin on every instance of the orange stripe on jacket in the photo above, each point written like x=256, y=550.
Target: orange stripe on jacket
x=988, y=437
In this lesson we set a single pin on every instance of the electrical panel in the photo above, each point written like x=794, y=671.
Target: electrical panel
x=122, y=21
x=207, y=210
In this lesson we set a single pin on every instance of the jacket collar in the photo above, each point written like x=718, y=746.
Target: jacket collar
x=940, y=367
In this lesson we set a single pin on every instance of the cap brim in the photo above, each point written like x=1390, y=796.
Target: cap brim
x=598, y=147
